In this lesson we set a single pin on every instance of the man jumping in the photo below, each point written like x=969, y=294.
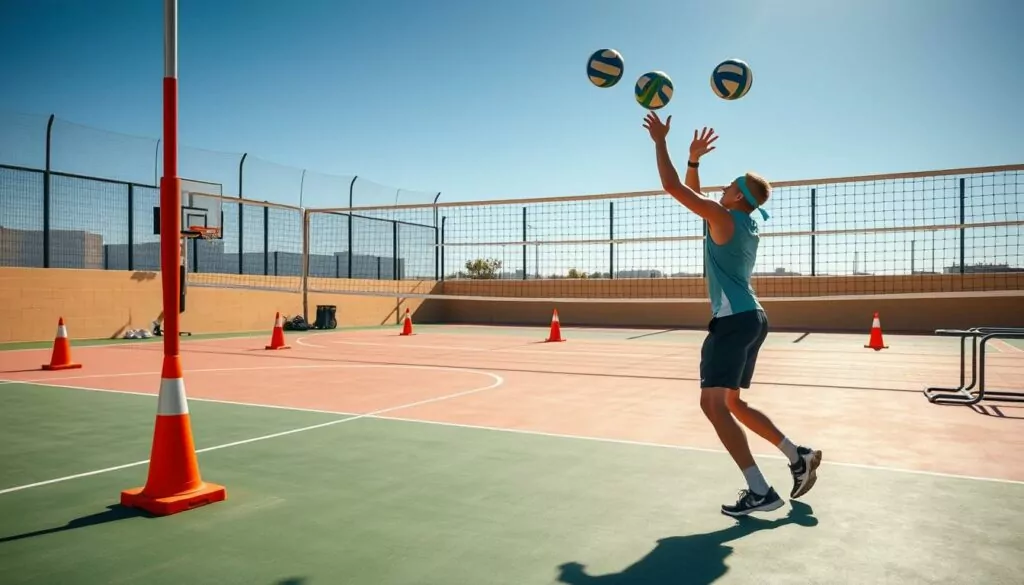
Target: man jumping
x=738, y=325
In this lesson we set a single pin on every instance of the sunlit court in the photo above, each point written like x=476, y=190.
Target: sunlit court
x=218, y=368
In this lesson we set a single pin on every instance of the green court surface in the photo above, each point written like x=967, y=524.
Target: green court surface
x=381, y=501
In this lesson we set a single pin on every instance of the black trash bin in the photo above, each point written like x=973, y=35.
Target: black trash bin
x=326, y=316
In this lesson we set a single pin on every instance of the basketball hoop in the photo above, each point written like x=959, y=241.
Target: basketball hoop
x=207, y=233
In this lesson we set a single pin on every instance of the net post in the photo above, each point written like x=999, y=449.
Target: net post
x=814, y=224
x=444, y=218
x=524, y=244
x=611, y=236
x=394, y=250
x=963, y=231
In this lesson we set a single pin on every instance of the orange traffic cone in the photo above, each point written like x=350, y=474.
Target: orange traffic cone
x=556, y=328
x=60, y=359
x=876, y=342
x=277, y=338
x=407, y=323
x=173, y=484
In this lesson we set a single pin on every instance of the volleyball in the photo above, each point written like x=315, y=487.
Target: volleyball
x=654, y=90
x=605, y=67
x=732, y=79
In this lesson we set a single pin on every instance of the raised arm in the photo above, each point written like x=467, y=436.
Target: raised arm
x=719, y=221
x=700, y=146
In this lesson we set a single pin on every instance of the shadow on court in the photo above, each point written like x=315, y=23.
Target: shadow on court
x=113, y=513
x=697, y=559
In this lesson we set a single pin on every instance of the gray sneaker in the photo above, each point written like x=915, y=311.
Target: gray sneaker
x=804, y=471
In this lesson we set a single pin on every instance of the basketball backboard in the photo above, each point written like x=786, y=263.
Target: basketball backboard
x=201, y=206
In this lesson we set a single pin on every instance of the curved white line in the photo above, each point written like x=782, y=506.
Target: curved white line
x=498, y=381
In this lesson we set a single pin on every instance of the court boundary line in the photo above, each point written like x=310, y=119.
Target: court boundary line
x=780, y=457
x=676, y=349
x=377, y=415
x=497, y=382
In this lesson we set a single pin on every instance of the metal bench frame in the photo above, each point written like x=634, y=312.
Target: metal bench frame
x=962, y=394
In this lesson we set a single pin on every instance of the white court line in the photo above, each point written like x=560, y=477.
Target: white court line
x=192, y=398
x=825, y=462
x=46, y=381
x=124, y=343
x=502, y=349
x=376, y=415
x=498, y=381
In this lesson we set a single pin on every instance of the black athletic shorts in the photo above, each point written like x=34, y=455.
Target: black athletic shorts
x=730, y=350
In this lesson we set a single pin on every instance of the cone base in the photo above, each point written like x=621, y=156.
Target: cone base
x=549, y=340
x=876, y=348
x=207, y=493
x=278, y=347
x=61, y=366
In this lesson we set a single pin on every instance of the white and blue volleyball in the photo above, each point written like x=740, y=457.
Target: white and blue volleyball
x=732, y=79
x=605, y=67
x=654, y=90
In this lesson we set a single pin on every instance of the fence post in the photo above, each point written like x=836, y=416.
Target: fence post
x=266, y=241
x=131, y=226
x=814, y=225
x=241, y=212
x=304, y=214
x=437, y=257
x=351, y=224
x=46, y=195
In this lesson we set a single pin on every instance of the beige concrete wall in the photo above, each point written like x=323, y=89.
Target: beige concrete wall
x=99, y=304
x=102, y=304
x=929, y=302
x=909, y=315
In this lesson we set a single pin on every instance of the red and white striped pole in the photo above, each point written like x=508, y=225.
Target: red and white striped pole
x=174, y=483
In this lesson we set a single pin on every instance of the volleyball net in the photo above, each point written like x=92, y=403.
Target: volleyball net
x=925, y=232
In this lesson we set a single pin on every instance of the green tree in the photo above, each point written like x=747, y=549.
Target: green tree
x=483, y=268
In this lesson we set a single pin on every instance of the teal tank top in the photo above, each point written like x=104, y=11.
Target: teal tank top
x=729, y=268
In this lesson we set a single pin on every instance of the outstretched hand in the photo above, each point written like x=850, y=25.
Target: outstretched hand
x=655, y=126
x=702, y=145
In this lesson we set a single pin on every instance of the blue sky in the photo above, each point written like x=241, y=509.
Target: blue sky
x=483, y=100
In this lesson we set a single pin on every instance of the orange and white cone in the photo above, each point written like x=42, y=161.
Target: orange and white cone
x=407, y=323
x=556, y=328
x=173, y=484
x=277, y=337
x=60, y=359
x=875, y=342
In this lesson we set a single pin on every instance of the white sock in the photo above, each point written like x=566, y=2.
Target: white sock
x=755, y=481
x=787, y=447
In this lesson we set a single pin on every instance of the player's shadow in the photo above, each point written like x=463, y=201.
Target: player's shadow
x=697, y=559
x=113, y=513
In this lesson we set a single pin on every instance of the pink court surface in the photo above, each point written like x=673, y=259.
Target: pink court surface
x=860, y=406
x=619, y=388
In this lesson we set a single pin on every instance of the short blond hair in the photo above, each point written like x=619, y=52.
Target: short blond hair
x=759, y=187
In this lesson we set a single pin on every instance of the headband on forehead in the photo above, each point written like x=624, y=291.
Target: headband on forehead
x=742, y=182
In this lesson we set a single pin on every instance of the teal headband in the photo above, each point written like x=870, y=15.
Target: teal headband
x=742, y=182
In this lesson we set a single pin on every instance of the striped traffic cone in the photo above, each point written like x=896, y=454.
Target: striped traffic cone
x=277, y=337
x=173, y=484
x=60, y=359
x=556, y=328
x=407, y=323
x=875, y=341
